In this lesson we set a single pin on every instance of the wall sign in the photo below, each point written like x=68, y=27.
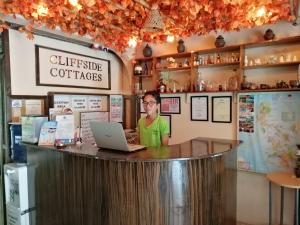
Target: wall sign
x=79, y=102
x=61, y=68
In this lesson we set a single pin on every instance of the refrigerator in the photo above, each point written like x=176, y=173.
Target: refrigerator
x=19, y=181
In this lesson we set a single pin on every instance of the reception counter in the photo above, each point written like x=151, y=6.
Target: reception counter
x=193, y=183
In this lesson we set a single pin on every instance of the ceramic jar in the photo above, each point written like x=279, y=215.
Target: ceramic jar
x=269, y=35
x=138, y=70
x=220, y=42
x=147, y=51
x=180, y=46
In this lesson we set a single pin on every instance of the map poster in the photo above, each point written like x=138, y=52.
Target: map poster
x=271, y=145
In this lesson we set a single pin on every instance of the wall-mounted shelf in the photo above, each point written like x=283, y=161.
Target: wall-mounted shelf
x=223, y=60
x=272, y=65
x=218, y=65
x=174, y=69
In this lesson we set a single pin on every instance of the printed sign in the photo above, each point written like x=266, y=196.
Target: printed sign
x=61, y=68
x=85, y=120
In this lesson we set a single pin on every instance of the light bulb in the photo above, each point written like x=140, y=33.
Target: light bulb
x=42, y=10
x=132, y=42
x=170, y=38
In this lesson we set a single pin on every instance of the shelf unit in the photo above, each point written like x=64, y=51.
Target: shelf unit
x=231, y=58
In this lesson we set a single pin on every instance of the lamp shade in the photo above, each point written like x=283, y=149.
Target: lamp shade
x=154, y=22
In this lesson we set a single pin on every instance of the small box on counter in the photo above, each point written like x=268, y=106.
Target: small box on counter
x=31, y=127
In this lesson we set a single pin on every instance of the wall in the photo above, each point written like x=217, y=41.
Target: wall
x=184, y=129
x=22, y=65
x=252, y=189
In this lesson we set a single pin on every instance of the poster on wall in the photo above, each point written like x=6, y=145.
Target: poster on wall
x=80, y=102
x=116, y=108
x=170, y=105
x=55, y=67
x=269, y=126
x=246, y=113
x=85, y=119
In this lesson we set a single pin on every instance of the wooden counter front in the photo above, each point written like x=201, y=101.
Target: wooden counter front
x=193, y=183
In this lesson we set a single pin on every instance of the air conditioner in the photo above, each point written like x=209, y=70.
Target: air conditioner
x=295, y=11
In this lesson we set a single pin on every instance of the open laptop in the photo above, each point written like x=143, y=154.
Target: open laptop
x=111, y=136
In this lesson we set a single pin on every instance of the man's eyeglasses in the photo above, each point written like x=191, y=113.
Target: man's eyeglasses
x=151, y=103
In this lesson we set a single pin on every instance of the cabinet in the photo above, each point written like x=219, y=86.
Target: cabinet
x=261, y=66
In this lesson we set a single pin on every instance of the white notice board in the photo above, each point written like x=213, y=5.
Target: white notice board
x=86, y=118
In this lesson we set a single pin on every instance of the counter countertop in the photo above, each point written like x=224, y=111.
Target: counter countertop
x=193, y=149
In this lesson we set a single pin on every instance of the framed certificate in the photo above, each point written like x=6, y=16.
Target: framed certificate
x=170, y=105
x=199, y=108
x=221, y=109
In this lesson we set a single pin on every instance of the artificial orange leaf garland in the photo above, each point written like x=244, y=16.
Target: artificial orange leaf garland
x=113, y=22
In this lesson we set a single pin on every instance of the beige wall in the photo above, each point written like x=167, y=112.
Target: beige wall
x=22, y=65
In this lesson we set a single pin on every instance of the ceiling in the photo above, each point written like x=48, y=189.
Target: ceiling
x=113, y=22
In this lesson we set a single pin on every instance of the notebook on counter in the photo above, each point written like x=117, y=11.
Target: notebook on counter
x=111, y=136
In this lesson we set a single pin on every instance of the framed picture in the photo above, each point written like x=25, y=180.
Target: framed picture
x=142, y=110
x=168, y=118
x=221, y=109
x=170, y=105
x=199, y=108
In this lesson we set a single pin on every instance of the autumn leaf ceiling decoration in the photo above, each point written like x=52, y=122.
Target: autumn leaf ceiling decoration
x=113, y=22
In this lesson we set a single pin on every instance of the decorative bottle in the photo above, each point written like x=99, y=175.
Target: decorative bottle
x=200, y=84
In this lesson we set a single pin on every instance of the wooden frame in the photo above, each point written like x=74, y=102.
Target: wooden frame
x=221, y=109
x=197, y=113
x=96, y=76
x=170, y=107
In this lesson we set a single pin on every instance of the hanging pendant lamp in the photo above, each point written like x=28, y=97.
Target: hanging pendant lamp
x=154, y=22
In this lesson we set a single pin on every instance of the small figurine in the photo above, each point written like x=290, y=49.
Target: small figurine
x=162, y=88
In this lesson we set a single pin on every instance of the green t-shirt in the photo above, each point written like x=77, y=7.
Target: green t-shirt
x=150, y=136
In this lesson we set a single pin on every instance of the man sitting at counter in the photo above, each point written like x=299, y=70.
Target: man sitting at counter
x=153, y=130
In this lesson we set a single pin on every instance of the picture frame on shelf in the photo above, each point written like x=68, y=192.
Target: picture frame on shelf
x=221, y=109
x=170, y=105
x=168, y=118
x=199, y=108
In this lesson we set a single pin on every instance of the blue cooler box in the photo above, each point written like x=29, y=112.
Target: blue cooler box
x=18, y=152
